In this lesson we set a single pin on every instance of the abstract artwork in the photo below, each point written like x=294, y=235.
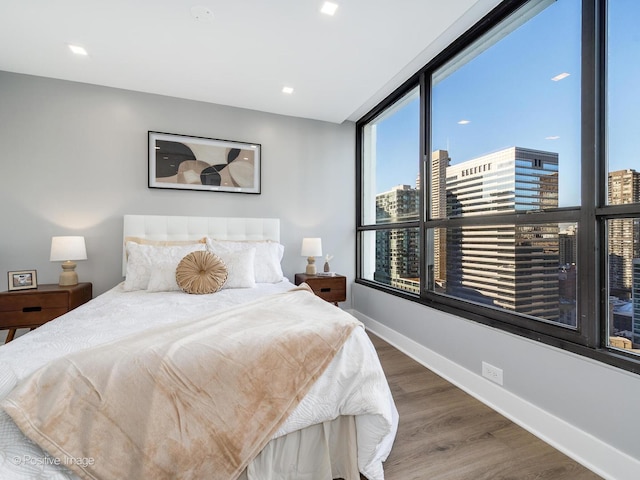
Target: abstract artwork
x=196, y=163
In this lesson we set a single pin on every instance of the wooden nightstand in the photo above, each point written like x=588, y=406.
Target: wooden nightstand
x=32, y=308
x=332, y=289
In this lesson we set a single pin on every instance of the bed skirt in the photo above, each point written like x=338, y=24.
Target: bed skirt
x=319, y=452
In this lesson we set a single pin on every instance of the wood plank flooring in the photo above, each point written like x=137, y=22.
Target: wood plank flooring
x=446, y=434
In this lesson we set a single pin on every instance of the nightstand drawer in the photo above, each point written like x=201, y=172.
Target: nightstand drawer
x=332, y=289
x=20, y=303
x=331, y=292
x=32, y=308
x=30, y=317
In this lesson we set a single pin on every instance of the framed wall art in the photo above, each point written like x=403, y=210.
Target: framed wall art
x=22, y=280
x=196, y=163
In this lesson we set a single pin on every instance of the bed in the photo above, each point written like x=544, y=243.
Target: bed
x=338, y=421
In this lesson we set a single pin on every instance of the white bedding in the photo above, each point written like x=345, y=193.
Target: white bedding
x=352, y=385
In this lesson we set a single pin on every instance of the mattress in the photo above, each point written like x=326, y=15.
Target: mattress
x=352, y=385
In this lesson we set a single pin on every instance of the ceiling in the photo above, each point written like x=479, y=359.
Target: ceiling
x=241, y=55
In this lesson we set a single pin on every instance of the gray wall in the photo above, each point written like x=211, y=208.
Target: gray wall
x=74, y=161
x=594, y=397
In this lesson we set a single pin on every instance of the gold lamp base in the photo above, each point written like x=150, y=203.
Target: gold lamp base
x=68, y=277
x=311, y=266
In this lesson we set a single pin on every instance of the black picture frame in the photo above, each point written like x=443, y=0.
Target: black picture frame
x=182, y=162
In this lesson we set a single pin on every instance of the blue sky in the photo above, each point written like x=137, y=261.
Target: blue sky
x=623, y=90
x=507, y=95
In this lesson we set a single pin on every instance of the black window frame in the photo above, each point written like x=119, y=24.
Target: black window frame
x=589, y=338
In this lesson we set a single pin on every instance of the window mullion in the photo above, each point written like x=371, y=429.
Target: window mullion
x=425, y=148
x=591, y=239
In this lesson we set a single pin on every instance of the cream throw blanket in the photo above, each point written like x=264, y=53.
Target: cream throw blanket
x=191, y=400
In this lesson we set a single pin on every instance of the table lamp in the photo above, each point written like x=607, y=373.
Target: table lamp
x=66, y=250
x=311, y=248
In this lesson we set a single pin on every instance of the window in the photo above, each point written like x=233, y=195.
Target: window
x=506, y=147
x=526, y=206
x=391, y=195
x=623, y=177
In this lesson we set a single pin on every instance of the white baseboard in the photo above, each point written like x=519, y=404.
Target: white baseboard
x=599, y=457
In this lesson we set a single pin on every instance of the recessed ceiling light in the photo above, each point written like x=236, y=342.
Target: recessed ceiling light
x=329, y=8
x=560, y=76
x=78, y=50
x=287, y=90
x=552, y=137
x=464, y=122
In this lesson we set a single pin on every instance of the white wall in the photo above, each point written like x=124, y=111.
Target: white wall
x=74, y=161
x=585, y=408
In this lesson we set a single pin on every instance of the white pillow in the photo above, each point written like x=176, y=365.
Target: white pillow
x=163, y=278
x=267, y=259
x=240, y=272
x=141, y=260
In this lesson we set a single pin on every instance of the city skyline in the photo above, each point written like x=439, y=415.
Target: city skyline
x=488, y=273
x=483, y=264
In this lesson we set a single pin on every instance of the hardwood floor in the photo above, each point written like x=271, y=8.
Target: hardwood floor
x=446, y=434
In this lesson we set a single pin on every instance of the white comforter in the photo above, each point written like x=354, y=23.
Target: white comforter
x=352, y=385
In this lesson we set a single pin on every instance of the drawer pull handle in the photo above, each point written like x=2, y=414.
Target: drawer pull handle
x=32, y=309
x=325, y=289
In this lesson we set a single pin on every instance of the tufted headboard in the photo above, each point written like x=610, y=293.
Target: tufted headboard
x=161, y=227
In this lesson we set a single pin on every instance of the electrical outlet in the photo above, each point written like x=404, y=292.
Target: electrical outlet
x=492, y=373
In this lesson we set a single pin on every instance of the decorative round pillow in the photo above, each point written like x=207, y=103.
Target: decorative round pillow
x=201, y=272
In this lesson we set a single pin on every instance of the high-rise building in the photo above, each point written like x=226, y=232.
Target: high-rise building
x=398, y=250
x=438, y=209
x=510, y=266
x=568, y=246
x=623, y=233
x=567, y=290
x=636, y=303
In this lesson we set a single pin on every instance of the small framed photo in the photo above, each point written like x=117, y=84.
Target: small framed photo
x=23, y=280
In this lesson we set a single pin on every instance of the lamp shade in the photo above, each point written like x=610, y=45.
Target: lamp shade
x=311, y=247
x=67, y=248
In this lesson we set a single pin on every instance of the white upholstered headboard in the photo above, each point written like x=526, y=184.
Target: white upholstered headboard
x=161, y=227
